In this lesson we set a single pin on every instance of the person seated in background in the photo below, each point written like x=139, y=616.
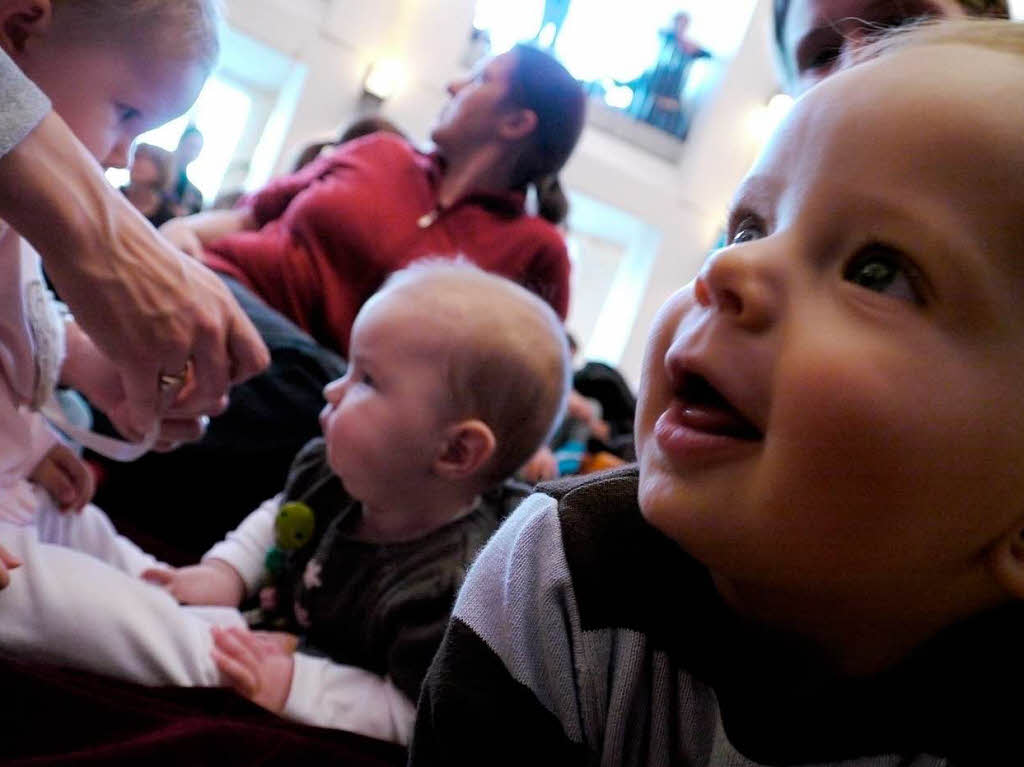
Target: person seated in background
x=455, y=377
x=316, y=244
x=364, y=126
x=149, y=175
x=821, y=557
x=597, y=431
x=184, y=196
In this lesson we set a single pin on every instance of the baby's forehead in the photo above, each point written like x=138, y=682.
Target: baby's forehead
x=909, y=116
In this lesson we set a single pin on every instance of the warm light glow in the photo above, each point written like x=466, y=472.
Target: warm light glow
x=764, y=120
x=384, y=77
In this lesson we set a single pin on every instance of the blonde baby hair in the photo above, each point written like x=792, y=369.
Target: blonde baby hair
x=991, y=34
x=506, y=357
x=179, y=28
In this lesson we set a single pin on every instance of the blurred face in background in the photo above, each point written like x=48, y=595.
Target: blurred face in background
x=477, y=102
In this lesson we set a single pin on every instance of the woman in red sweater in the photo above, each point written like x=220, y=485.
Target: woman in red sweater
x=315, y=245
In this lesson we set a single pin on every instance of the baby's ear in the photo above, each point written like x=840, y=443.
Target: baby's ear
x=1007, y=561
x=20, y=21
x=467, y=447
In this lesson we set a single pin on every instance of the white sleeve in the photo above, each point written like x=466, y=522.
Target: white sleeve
x=328, y=694
x=245, y=548
x=24, y=105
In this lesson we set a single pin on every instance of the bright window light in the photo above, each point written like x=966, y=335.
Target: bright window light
x=508, y=22
x=220, y=114
x=609, y=38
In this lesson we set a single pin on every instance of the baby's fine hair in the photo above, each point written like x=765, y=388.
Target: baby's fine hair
x=507, y=361
x=180, y=28
x=994, y=35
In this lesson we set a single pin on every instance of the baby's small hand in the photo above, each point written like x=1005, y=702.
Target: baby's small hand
x=542, y=466
x=7, y=561
x=256, y=666
x=211, y=583
x=67, y=479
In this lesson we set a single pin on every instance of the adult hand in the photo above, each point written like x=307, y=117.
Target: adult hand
x=148, y=307
x=183, y=416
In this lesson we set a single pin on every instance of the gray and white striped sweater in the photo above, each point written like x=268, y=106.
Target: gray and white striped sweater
x=583, y=636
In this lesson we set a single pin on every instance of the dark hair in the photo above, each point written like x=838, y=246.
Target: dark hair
x=998, y=9
x=162, y=160
x=365, y=126
x=541, y=84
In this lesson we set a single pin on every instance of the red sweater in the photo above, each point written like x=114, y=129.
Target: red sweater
x=331, y=234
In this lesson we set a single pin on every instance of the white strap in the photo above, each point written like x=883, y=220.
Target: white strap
x=116, y=449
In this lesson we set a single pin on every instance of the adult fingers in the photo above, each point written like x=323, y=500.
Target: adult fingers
x=249, y=355
x=176, y=431
x=144, y=400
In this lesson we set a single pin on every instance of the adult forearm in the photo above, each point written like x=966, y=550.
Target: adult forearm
x=54, y=193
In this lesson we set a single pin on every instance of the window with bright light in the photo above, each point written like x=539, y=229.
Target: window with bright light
x=220, y=114
x=616, y=48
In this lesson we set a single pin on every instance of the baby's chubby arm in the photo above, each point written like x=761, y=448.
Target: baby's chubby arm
x=212, y=582
x=231, y=570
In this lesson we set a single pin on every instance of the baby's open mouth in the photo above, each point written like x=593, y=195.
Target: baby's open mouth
x=707, y=410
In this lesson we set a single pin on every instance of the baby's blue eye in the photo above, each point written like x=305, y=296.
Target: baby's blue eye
x=881, y=269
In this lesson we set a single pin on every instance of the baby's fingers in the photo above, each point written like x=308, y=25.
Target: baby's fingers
x=239, y=644
x=238, y=677
x=7, y=560
x=158, y=576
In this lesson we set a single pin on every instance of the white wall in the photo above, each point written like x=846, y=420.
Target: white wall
x=338, y=39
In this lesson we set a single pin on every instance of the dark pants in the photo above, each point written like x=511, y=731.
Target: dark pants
x=178, y=504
